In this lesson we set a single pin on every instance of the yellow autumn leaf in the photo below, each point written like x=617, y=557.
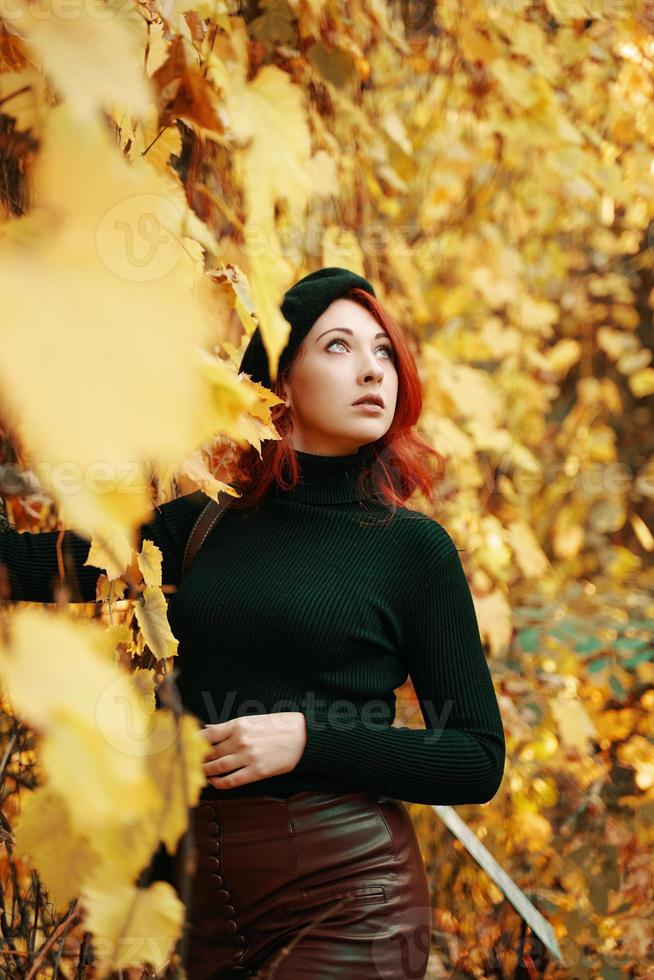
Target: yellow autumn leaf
x=471, y=392
x=45, y=833
x=341, y=247
x=269, y=115
x=75, y=291
x=575, y=726
x=494, y=618
x=176, y=769
x=111, y=551
x=567, y=533
x=173, y=11
x=257, y=432
x=529, y=39
x=639, y=753
x=565, y=11
x=230, y=396
x=529, y=556
x=153, y=143
x=195, y=469
x=488, y=437
x=642, y=532
x=543, y=747
x=149, y=561
x=217, y=10
x=634, y=362
x=132, y=926
x=118, y=633
x=144, y=682
x=107, y=588
x=125, y=844
x=91, y=772
x=536, y=315
x=323, y=177
x=152, y=617
x=493, y=552
x=563, y=355
x=534, y=829
x=494, y=289
x=85, y=708
x=476, y=45
x=616, y=343
x=270, y=275
x=620, y=562
x=393, y=126
x=92, y=58
x=642, y=382
x=616, y=725
x=157, y=46
x=52, y=663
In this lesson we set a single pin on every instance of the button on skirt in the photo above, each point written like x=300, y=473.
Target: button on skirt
x=316, y=886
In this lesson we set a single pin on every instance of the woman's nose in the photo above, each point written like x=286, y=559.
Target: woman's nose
x=374, y=371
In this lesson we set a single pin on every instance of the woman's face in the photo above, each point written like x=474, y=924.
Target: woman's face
x=344, y=357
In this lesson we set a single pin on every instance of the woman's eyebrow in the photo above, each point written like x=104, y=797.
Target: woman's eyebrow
x=347, y=330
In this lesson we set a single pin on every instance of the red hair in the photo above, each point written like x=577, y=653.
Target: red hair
x=399, y=467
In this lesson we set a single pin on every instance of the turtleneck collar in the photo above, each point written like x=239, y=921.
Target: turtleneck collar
x=331, y=479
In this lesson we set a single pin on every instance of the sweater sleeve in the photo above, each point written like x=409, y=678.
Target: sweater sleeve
x=29, y=569
x=459, y=756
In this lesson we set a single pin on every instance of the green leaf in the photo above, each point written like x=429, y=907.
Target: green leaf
x=590, y=645
x=617, y=687
x=629, y=643
x=639, y=624
x=646, y=654
x=529, y=640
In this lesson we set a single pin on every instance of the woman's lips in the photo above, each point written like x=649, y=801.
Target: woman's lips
x=371, y=406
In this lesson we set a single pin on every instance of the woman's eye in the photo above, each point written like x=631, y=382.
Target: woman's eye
x=339, y=340
x=336, y=340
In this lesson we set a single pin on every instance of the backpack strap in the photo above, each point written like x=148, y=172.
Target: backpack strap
x=204, y=524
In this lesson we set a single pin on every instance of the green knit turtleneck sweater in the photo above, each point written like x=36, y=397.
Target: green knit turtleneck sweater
x=315, y=602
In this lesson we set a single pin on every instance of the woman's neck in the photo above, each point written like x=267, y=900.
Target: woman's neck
x=332, y=479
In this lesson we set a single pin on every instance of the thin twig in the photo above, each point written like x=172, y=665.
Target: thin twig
x=52, y=938
x=152, y=142
x=12, y=95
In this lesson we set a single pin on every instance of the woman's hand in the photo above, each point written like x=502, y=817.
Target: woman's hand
x=253, y=747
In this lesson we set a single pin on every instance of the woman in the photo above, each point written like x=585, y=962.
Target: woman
x=309, y=604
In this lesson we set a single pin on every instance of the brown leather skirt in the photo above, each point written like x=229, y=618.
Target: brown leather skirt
x=316, y=886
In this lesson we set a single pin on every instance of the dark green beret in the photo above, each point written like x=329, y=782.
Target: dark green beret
x=303, y=303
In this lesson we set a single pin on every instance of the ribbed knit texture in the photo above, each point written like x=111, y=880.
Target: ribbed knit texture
x=321, y=603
